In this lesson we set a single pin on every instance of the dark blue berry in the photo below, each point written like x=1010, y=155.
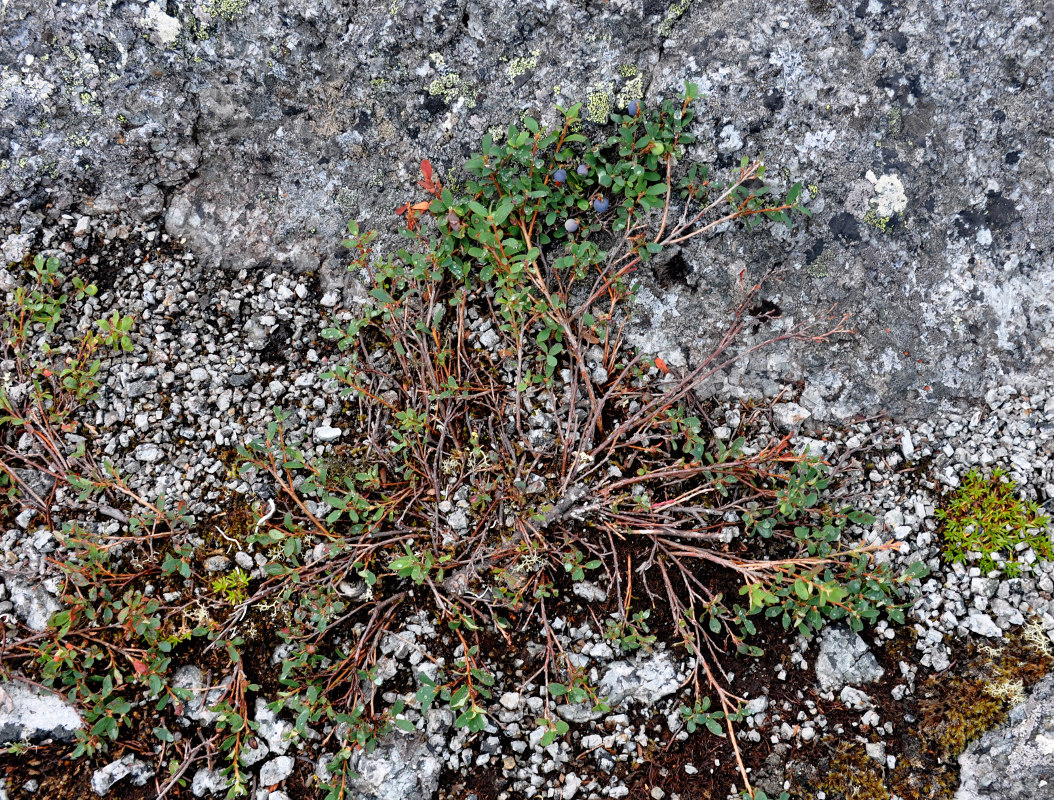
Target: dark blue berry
x=560, y=176
x=583, y=170
x=571, y=225
x=632, y=108
x=600, y=205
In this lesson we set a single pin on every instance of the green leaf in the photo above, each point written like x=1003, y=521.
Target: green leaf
x=502, y=213
x=382, y=295
x=164, y=734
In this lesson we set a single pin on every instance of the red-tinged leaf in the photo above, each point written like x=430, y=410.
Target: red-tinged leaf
x=422, y=206
x=140, y=667
x=426, y=169
x=661, y=366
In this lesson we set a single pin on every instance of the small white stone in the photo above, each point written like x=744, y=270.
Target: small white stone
x=907, y=447
x=276, y=770
x=325, y=433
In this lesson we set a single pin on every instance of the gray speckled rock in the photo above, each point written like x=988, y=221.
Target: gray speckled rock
x=645, y=680
x=276, y=770
x=255, y=131
x=138, y=773
x=844, y=659
x=208, y=782
x=401, y=768
x=1015, y=761
x=34, y=605
x=26, y=715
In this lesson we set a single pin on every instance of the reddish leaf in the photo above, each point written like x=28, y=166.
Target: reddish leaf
x=140, y=667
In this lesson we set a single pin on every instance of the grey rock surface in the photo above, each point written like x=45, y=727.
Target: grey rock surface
x=401, y=768
x=844, y=658
x=34, y=604
x=255, y=132
x=276, y=770
x=644, y=680
x=197, y=707
x=208, y=782
x=272, y=730
x=1016, y=760
x=138, y=773
x=28, y=715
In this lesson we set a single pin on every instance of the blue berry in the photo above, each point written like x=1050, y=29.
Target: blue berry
x=560, y=175
x=600, y=205
x=571, y=225
x=583, y=170
x=633, y=106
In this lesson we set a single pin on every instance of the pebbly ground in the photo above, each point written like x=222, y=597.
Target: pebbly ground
x=217, y=351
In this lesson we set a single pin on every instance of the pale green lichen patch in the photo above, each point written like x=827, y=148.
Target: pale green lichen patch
x=820, y=268
x=633, y=90
x=80, y=139
x=674, y=13
x=598, y=103
x=225, y=9
x=523, y=65
x=893, y=122
x=446, y=86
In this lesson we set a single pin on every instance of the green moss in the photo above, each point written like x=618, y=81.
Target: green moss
x=985, y=516
x=854, y=775
x=916, y=781
x=956, y=710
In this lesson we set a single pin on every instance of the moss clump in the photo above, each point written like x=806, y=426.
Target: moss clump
x=914, y=781
x=956, y=710
x=854, y=775
x=986, y=516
